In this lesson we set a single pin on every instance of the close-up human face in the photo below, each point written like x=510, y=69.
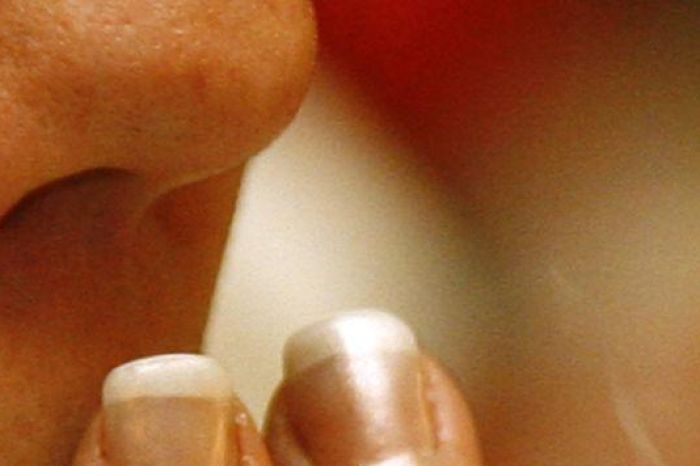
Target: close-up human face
x=522, y=193
x=124, y=129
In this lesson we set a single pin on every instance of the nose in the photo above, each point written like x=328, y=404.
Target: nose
x=170, y=91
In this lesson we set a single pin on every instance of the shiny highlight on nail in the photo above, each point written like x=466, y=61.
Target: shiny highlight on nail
x=174, y=409
x=352, y=334
x=168, y=376
x=355, y=392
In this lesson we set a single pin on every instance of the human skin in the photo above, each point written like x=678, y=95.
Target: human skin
x=525, y=124
x=126, y=125
x=151, y=420
x=570, y=132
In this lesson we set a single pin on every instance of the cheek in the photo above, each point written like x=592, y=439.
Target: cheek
x=173, y=93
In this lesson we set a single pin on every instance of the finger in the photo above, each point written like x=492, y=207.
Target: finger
x=114, y=118
x=171, y=410
x=358, y=391
x=454, y=427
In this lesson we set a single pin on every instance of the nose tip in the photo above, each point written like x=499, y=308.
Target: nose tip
x=171, y=93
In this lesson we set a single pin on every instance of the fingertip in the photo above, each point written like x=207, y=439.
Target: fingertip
x=283, y=443
x=352, y=334
x=455, y=428
x=168, y=376
x=178, y=410
x=89, y=452
x=248, y=439
x=359, y=391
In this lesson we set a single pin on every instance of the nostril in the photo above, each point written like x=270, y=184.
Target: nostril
x=62, y=229
x=98, y=196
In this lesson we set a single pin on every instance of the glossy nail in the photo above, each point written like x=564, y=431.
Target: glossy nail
x=354, y=393
x=172, y=409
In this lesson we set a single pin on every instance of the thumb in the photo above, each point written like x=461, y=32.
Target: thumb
x=177, y=410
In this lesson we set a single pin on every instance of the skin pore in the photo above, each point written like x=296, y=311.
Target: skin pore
x=572, y=137
x=125, y=128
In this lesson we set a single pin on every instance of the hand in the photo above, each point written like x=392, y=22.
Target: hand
x=357, y=390
x=570, y=132
x=126, y=123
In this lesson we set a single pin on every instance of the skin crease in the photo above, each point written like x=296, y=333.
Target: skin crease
x=125, y=127
x=126, y=104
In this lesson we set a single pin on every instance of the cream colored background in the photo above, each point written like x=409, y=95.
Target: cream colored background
x=336, y=216
x=583, y=348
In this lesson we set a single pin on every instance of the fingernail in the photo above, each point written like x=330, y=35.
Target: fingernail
x=172, y=409
x=354, y=392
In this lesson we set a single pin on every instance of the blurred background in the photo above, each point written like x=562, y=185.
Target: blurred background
x=576, y=340
x=337, y=216
x=564, y=291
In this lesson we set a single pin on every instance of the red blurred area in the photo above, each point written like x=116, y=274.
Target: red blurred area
x=417, y=50
x=446, y=66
